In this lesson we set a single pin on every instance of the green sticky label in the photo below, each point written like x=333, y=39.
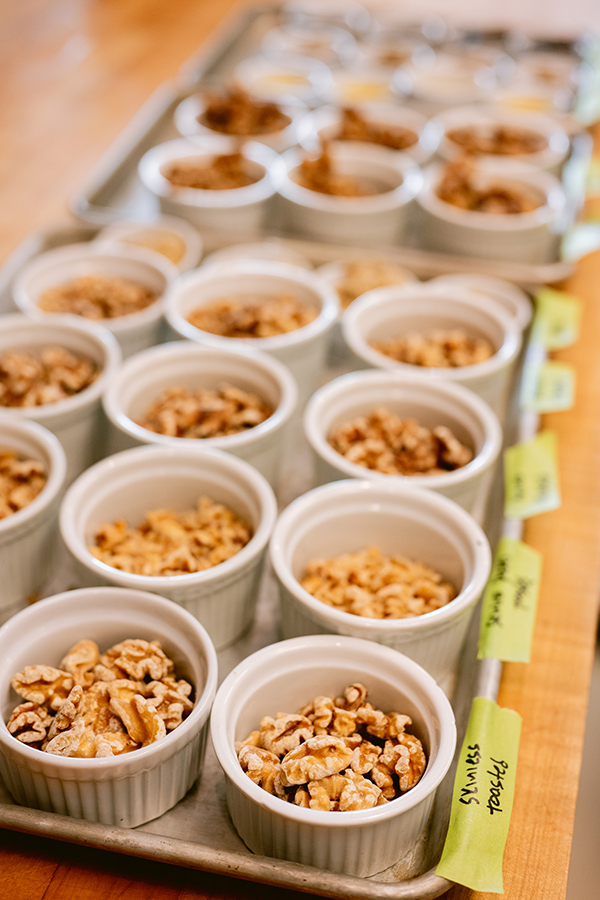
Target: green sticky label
x=531, y=477
x=509, y=603
x=482, y=801
x=557, y=319
x=548, y=387
x=592, y=180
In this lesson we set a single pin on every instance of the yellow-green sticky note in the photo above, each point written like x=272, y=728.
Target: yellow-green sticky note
x=509, y=603
x=548, y=387
x=482, y=800
x=531, y=477
x=557, y=318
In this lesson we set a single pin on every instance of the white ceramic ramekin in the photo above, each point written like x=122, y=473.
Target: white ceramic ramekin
x=130, y=484
x=135, y=787
x=148, y=234
x=372, y=221
x=286, y=676
x=28, y=538
x=191, y=365
x=511, y=297
x=135, y=331
x=234, y=211
x=399, y=519
x=303, y=351
x=431, y=403
x=529, y=237
x=390, y=312
x=271, y=250
x=76, y=421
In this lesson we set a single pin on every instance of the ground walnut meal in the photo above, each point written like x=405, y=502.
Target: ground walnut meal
x=319, y=174
x=355, y=127
x=35, y=379
x=439, y=349
x=173, y=543
x=335, y=754
x=461, y=186
x=97, y=297
x=97, y=705
x=249, y=318
x=236, y=112
x=366, y=275
x=183, y=413
x=21, y=480
x=497, y=140
x=384, y=442
x=221, y=173
x=375, y=586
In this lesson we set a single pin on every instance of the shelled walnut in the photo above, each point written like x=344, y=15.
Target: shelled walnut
x=355, y=127
x=252, y=318
x=35, y=379
x=221, y=173
x=21, y=480
x=463, y=186
x=497, y=139
x=97, y=297
x=237, y=112
x=366, y=275
x=449, y=349
x=320, y=174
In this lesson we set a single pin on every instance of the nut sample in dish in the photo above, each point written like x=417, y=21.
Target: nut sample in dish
x=440, y=349
x=97, y=705
x=181, y=412
x=335, y=754
x=267, y=317
x=223, y=173
x=237, y=112
x=366, y=275
x=97, y=297
x=355, y=127
x=460, y=187
x=21, y=480
x=375, y=586
x=171, y=543
x=497, y=139
x=164, y=242
x=319, y=174
x=53, y=374
x=384, y=442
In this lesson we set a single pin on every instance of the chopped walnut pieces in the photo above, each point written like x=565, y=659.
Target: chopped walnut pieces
x=319, y=174
x=180, y=412
x=170, y=543
x=21, y=480
x=125, y=699
x=97, y=297
x=383, y=442
x=497, y=139
x=440, y=349
x=336, y=768
x=252, y=318
x=355, y=127
x=238, y=113
x=375, y=586
x=221, y=173
x=365, y=275
x=463, y=186
x=29, y=379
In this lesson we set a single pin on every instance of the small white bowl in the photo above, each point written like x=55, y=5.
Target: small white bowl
x=387, y=312
x=128, y=485
x=529, y=237
x=150, y=234
x=135, y=787
x=329, y=43
x=514, y=299
x=28, y=538
x=303, y=77
x=431, y=403
x=76, y=421
x=233, y=211
x=146, y=375
x=401, y=520
x=135, y=331
x=372, y=221
x=188, y=121
x=286, y=676
x=303, y=351
x=271, y=250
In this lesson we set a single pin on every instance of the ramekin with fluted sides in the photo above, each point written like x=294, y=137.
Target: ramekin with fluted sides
x=302, y=77
x=77, y=421
x=172, y=236
x=386, y=313
x=528, y=237
x=286, y=676
x=187, y=364
x=375, y=220
x=134, y=331
x=234, y=211
x=401, y=520
x=135, y=787
x=303, y=351
x=130, y=484
x=431, y=403
x=28, y=538
x=513, y=298
x=325, y=124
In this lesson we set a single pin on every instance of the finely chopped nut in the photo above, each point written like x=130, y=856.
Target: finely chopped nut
x=322, y=769
x=221, y=173
x=94, y=718
x=439, y=349
x=172, y=543
x=183, y=413
x=383, y=442
x=239, y=318
x=21, y=480
x=375, y=586
x=97, y=297
x=53, y=374
x=462, y=185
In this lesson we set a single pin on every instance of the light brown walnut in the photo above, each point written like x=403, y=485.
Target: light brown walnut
x=43, y=685
x=79, y=662
x=285, y=732
x=316, y=758
x=29, y=723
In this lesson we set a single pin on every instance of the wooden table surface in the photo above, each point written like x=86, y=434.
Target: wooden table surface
x=75, y=73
